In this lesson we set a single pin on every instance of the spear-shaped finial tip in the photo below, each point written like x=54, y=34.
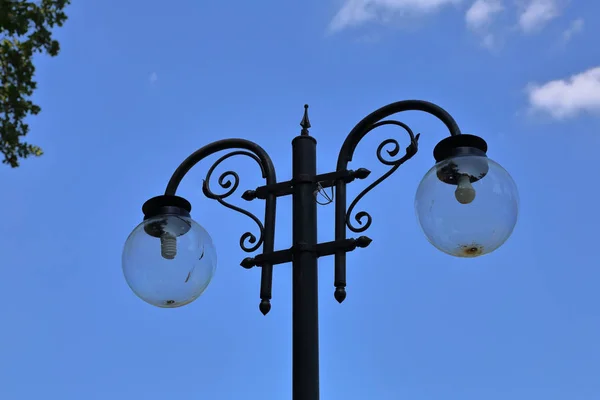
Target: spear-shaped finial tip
x=305, y=123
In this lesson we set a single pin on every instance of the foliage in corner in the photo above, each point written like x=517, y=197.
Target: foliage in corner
x=25, y=29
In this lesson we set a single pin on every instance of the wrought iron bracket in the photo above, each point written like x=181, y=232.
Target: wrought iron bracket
x=229, y=181
x=321, y=250
x=287, y=188
x=343, y=213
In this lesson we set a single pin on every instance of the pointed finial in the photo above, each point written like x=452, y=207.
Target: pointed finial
x=340, y=294
x=265, y=306
x=305, y=123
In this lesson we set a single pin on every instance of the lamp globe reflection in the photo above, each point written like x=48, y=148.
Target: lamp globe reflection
x=169, y=259
x=467, y=204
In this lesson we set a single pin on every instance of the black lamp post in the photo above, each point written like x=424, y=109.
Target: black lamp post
x=467, y=206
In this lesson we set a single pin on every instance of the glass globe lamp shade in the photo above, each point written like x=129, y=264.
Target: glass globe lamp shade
x=169, y=260
x=467, y=205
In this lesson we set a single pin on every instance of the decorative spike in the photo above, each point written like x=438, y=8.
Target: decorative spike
x=362, y=173
x=248, y=262
x=363, y=241
x=305, y=123
x=265, y=306
x=249, y=195
x=340, y=294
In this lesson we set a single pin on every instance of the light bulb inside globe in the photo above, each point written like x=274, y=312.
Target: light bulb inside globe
x=167, y=229
x=168, y=246
x=464, y=192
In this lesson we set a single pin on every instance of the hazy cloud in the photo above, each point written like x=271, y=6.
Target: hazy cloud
x=481, y=13
x=489, y=41
x=537, y=13
x=573, y=29
x=479, y=18
x=358, y=12
x=153, y=77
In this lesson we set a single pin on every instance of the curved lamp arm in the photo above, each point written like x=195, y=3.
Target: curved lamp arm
x=366, y=125
x=230, y=180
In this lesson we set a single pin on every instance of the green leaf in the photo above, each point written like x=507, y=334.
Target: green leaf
x=25, y=29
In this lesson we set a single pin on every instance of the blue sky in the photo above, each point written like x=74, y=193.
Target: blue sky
x=139, y=85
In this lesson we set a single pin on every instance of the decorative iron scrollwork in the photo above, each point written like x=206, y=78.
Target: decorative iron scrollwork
x=363, y=218
x=230, y=180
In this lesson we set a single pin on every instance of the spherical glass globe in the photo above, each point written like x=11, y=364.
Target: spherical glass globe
x=467, y=206
x=169, y=260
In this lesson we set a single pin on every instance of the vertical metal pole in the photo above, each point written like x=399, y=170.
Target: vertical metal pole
x=305, y=318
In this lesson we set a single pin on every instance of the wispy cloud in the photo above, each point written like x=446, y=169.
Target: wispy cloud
x=358, y=12
x=566, y=98
x=573, y=29
x=537, y=13
x=487, y=19
x=489, y=41
x=481, y=13
x=153, y=78
x=479, y=18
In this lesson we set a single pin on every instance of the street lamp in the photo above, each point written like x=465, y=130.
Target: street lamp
x=467, y=206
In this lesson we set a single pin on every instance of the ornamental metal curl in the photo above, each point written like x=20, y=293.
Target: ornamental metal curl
x=359, y=131
x=392, y=151
x=267, y=237
x=230, y=180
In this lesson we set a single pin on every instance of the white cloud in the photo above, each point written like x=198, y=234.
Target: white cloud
x=358, y=12
x=537, y=13
x=565, y=98
x=153, y=77
x=573, y=29
x=480, y=14
x=479, y=18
